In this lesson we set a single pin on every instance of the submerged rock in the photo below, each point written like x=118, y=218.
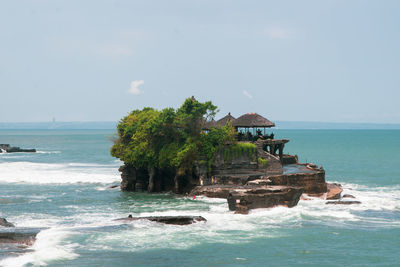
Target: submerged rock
x=348, y=196
x=334, y=191
x=340, y=202
x=5, y=223
x=11, y=149
x=241, y=200
x=177, y=220
x=26, y=236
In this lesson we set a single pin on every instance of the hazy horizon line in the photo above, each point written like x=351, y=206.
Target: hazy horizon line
x=280, y=124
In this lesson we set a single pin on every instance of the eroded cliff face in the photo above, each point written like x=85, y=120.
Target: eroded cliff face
x=238, y=167
x=228, y=167
x=156, y=180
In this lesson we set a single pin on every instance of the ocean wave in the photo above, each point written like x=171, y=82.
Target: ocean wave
x=50, y=245
x=94, y=227
x=48, y=152
x=45, y=173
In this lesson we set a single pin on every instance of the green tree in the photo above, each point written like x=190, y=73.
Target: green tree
x=152, y=139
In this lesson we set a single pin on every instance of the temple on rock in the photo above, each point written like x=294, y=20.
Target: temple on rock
x=251, y=127
x=251, y=172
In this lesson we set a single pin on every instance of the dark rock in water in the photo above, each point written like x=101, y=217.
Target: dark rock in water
x=348, y=196
x=334, y=191
x=340, y=202
x=243, y=199
x=5, y=223
x=177, y=220
x=113, y=186
x=11, y=149
x=19, y=235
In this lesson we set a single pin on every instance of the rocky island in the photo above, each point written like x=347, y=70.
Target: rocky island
x=186, y=151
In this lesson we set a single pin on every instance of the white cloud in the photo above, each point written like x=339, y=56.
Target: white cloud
x=247, y=94
x=134, y=89
x=277, y=33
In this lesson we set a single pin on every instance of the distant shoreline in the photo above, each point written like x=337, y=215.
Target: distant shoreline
x=280, y=125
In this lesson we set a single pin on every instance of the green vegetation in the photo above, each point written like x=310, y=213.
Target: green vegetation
x=237, y=150
x=170, y=138
x=262, y=162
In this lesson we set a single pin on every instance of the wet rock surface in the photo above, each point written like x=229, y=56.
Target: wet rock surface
x=342, y=202
x=312, y=181
x=334, y=191
x=17, y=235
x=348, y=196
x=176, y=220
x=11, y=149
x=241, y=200
x=5, y=223
x=213, y=191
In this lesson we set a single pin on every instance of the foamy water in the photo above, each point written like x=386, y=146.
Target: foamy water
x=96, y=230
x=44, y=173
x=71, y=200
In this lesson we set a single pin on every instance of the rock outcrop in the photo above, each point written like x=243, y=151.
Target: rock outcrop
x=24, y=236
x=155, y=180
x=213, y=191
x=5, y=223
x=176, y=220
x=11, y=149
x=341, y=202
x=241, y=200
x=334, y=191
x=312, y=182
x=348, y=196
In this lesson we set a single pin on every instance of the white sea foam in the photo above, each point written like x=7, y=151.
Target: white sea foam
x=44, y=173
x=47, y=152
x=50, y=245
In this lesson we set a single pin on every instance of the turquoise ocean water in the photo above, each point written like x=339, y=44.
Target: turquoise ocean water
x=64, y=189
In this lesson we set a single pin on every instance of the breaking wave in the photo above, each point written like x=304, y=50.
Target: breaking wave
x=45, y=173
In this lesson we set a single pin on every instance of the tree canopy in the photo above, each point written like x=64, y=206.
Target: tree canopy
x=171, y=137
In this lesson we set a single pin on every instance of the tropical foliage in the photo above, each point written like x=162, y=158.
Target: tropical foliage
x=149, y=138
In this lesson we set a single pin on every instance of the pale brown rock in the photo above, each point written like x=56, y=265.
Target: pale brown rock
x=213, y=191
x=313, y=183
x=243, y=199
x=334, y=191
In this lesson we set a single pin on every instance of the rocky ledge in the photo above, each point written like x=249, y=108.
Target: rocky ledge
x=5, y=223
x=11, y=149
x=10, y=234
x=334, y=191
x=176, y=220
x=25, y=236
x=341, y=202
x=241, y=200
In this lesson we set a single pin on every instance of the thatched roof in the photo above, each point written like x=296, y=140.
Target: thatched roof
x=208, y=124
x=252, y=120
x=224, y=121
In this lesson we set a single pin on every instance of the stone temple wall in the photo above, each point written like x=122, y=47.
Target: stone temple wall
x=240, y=167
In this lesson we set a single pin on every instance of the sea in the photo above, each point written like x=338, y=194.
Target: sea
x=64, y=191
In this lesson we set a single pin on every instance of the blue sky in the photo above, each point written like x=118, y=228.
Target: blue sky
x=332, y=61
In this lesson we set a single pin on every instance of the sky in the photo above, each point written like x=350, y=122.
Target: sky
x=94, y=60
